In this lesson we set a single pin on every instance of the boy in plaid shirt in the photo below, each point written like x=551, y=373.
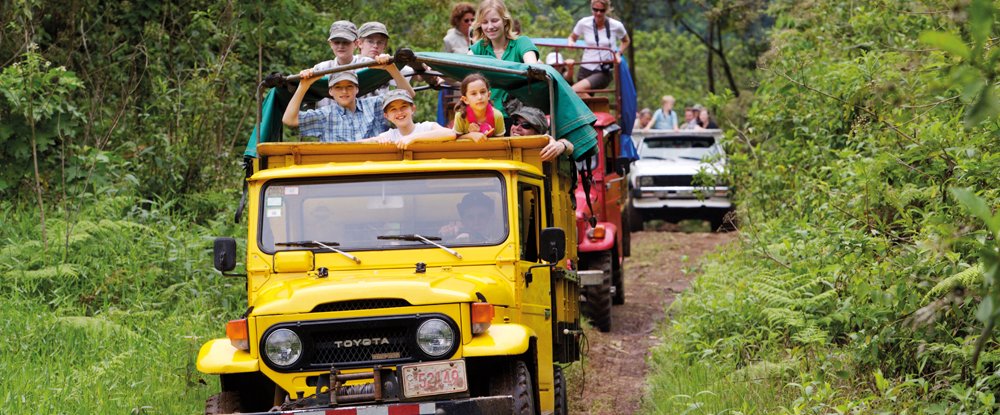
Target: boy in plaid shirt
x=352, y=119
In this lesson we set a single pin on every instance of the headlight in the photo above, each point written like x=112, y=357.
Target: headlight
x=435, y=337
x=283, y=347
x=645, y=181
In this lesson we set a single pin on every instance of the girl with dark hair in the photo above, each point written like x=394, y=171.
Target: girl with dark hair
x=475, y=117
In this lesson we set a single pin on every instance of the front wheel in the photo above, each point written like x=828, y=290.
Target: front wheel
x=598, y=298
x=225, y=402
x=515, y=380
x=634, y=218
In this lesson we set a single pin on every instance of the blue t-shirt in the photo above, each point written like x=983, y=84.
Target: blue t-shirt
x=334, y=123
x=661, y=122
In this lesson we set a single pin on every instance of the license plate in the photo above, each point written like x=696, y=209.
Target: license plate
x=434, y=378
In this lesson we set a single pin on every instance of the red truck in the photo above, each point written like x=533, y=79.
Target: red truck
x=602, y=188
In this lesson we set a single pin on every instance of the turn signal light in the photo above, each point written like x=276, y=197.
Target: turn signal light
x=596, y=232
x=482, y=317
x=238, y=334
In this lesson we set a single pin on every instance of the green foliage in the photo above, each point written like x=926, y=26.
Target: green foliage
x=119, y=305
x=851, y=247
x=37, y=107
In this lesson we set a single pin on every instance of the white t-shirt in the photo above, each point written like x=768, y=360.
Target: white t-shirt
x=420, y=127
x=585, y=29
x=331, y=64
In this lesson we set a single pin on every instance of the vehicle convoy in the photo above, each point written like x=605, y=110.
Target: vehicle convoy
x=601, y=193
x=373, y=287
x=665, y=183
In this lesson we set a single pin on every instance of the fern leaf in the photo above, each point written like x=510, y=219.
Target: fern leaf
x=970, y=277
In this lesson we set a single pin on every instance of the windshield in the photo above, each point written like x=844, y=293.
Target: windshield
x=372, y=213
x=673, y=147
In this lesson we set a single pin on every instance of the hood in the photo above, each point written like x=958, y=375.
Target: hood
x=436, y=286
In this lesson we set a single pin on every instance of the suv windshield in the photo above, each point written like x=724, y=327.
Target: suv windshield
x=364, y=214
x=672, y=147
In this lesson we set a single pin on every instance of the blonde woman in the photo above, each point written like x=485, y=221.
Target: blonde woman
x=493, y=31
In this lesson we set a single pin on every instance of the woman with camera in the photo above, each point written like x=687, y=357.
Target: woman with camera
x=600, y=31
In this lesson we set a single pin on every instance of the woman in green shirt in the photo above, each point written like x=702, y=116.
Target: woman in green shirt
x=494, y=34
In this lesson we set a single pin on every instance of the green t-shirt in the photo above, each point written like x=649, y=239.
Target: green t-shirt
x=514, y=52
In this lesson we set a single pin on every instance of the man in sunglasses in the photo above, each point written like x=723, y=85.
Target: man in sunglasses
x=531, y=121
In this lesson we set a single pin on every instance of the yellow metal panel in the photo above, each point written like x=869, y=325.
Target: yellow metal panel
x=500, y=340
x=293, y=261
x=218, y=356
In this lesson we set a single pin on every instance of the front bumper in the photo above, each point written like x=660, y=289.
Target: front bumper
x=666, y=201
x=489, y=405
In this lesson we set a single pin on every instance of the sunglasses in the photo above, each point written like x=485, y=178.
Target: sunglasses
x=522, y=123
x=596, y=10
x=469, y=20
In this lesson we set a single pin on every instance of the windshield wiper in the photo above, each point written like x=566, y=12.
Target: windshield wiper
x=653, y=158
x=317, y=244
x=690, y=158
x=412, y=237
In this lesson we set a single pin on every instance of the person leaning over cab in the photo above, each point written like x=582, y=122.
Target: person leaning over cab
x=352, y=119
x=494, y=34
x=598, y=30
x=531, y=121
x=459, y=36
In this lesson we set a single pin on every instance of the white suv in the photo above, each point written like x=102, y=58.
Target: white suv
x=662, y=183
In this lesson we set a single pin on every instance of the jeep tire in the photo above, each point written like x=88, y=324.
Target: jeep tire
x=514, y=379
x=598, y=298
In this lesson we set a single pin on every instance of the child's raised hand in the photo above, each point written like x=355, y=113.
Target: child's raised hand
x=307, y=77
x=382, y=59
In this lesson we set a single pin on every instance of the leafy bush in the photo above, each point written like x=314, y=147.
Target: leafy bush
x=854, y=258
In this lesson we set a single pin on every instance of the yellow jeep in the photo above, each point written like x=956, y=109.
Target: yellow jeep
x=436, y=279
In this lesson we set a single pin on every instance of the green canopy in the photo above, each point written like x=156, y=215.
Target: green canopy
x=526, y=82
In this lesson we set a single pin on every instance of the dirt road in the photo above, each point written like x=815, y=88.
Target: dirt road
x=612, y=379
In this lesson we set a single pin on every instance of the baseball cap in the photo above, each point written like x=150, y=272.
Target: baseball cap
x=395, y=95
x=533, y=116
x=342, y=76
x=372, y=28
x=343, y=29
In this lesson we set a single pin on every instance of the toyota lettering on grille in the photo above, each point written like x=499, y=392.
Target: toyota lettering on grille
x=374, y=341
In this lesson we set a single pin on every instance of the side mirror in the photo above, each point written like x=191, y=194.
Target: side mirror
x=224, y=254
x=553, y=245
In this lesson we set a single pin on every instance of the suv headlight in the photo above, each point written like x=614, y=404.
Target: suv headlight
x=435, y=337
x=283, y=347
x=645, y=181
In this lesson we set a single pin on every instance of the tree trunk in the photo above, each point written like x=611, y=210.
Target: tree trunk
x=725, y=65
x=708, y=65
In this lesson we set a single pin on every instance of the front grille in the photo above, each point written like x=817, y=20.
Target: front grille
x=335, y=348
x=667, y=181
x=357, y=342
x=353, y=305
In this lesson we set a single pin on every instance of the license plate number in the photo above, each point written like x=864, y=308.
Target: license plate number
x=435, y=378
